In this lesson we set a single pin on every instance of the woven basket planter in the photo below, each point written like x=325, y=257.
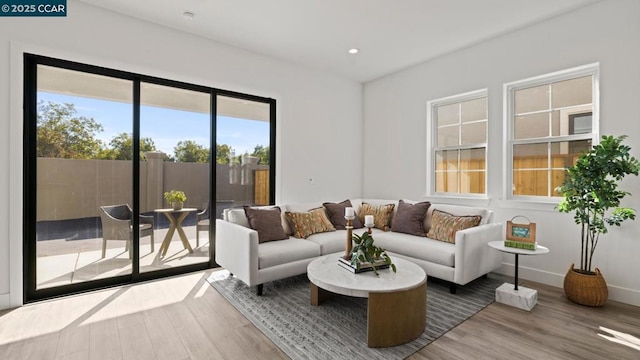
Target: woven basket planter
x=586, y=289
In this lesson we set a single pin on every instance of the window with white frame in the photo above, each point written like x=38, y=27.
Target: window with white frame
x=551, y=120
x=459, y=144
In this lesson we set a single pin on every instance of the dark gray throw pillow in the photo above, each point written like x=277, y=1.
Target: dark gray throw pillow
x=409, y=218
x=267, y=222
x=335, y=211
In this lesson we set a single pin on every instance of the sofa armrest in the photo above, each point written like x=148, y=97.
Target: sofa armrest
x=237, y=250
x=473, y=256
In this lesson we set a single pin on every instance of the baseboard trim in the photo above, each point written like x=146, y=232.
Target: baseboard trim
x=616, y=293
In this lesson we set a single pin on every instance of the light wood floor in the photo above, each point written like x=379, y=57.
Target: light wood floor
x=185, y=318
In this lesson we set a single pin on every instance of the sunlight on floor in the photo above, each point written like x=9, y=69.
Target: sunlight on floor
x=621, y=338
x=80, y=311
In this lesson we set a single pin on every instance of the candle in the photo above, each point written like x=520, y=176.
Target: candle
x=368, y=220
x=348, y=211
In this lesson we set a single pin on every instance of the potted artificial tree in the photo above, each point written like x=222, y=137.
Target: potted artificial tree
x=590, y=190
x=175, y=198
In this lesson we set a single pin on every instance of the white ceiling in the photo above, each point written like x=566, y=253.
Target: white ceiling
x=391, y=34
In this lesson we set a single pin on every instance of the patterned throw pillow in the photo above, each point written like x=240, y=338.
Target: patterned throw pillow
x=305, y=224
x=301, y=224
x=444, y=225
x=321, y=221
x=381, y=214
x=267, y=222
x=335, y=211
x=409, y=218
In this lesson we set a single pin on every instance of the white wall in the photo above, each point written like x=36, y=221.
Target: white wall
x=311, y=106
x=607, y=32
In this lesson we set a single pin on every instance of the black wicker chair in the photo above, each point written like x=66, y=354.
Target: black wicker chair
x=117, y=225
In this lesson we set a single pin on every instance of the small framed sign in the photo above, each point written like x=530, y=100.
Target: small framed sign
x=521, y=232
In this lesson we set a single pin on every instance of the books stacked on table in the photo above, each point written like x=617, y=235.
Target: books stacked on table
x=520, y=244
x=364, y=267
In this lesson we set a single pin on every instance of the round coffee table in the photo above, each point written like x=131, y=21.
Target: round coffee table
x=397, y=302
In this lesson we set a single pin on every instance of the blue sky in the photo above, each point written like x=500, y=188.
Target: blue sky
x=166, y=126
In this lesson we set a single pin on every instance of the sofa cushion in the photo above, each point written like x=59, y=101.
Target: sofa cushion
x=267, y=222
x=426, y=249
x=330, y=242
x=237, y=216
x=381, y=214
x=286, y=251
x=444, y=225
x=409, y=218
x=336, y=215
x=308, y=223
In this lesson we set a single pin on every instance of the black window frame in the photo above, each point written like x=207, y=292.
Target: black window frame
x=30, y=63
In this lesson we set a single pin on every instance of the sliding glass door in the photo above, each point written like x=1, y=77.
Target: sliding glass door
x=244, y=156
x=119, y=173
x=175, y=154
x=83, y=178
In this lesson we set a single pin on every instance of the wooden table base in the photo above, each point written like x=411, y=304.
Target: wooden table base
x=176, y=224
x=393, y=318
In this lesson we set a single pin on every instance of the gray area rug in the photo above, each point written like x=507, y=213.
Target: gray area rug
x=337, y=329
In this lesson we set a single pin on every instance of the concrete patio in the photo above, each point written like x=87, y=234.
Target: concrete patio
x=63, y=262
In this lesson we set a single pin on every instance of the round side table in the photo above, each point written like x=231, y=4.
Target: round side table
x=510, y=294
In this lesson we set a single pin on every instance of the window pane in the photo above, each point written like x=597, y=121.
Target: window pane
x=474, y=133
x=472, y=159
x=576, y=148
x=531, y=126
x=243, y=162
x=557, y=178
x=532, y=99
x=175, y=128
x=447, y=115
x=472, y=182
x=572, y=92
x=531, y=182
x=560, y=156
x=530, y=156
x=447, y=181
x=447, y=160
x=83, y=169
x=557, y=127
x=473, y=110
x=448, y=136
x=565, y=154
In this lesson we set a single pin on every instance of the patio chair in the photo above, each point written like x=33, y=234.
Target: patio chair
x=202, y=223
x=117, y=225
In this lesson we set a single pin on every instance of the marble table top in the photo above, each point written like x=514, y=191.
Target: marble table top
x=325, y=273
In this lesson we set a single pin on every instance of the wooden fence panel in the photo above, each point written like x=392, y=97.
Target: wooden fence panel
x=261, y=183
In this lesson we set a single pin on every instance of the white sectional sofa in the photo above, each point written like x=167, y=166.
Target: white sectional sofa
x=238, y=250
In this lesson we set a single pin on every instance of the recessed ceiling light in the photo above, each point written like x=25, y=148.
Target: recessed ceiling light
x=188, y=15
x=353, y=51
